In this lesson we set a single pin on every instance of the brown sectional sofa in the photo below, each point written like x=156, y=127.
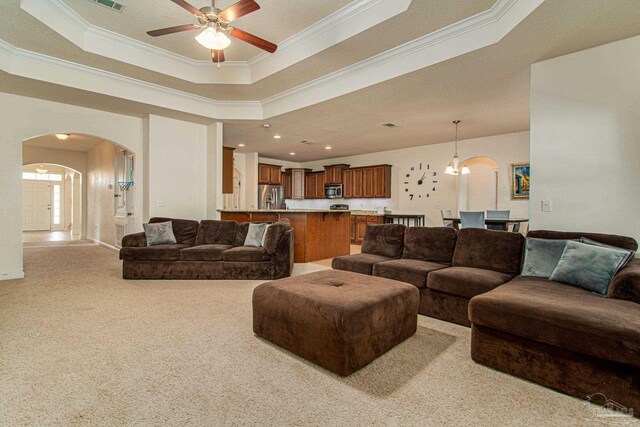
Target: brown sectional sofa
x=209, y=249
x=557, y=335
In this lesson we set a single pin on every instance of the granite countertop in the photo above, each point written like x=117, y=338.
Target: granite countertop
x=282, y=211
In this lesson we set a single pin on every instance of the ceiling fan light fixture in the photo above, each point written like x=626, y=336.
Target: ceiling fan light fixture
x=212, y=39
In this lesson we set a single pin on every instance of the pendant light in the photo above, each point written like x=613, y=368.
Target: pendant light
x=41, y=170
x=452, y=169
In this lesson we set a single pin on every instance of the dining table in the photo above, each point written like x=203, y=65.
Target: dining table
x=501, y=223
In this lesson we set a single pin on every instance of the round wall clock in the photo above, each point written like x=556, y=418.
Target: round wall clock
x=420, y=181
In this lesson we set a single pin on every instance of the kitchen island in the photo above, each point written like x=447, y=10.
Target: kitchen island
x=317, y=233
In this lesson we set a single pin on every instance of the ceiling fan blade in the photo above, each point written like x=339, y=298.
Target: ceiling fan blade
x=243, y=7
x=217, y=56
x=191, y=9
x=171, y=30
x=254, y=40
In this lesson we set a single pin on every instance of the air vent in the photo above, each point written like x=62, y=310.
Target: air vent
x=113, y=5
x=390, y=125
x=304, y=141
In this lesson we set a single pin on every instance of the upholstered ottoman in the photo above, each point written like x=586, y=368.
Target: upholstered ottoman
x=337, y=319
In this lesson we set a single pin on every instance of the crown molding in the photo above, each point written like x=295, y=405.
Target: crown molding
x=352, y=19
x=473, y=33
x=36, y=66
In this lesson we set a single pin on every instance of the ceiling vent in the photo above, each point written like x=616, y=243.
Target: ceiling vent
x=304, y=141
x=113, y=5
x=390, y=125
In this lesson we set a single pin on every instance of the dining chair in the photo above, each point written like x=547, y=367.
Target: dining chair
x=446, y=214
x=498, y=215
x=471, y=219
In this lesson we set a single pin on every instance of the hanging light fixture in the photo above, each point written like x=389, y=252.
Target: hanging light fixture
x=41, y=170
x=452, y=168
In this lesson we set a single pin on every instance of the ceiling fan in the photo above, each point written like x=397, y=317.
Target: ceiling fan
x=217, y=28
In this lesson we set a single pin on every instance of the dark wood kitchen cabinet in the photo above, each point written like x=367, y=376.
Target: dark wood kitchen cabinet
x=359, y=226
x=333, y=174
x=227, y=170
x=367, y=182
x=314, y=185
x=347, y=183
x=287, y=183
x=269, y=174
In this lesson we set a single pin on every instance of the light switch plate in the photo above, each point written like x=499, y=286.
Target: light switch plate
x=161, y=203
x=546, y=206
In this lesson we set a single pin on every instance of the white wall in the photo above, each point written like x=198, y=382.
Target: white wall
x=503, y=149
x=23, y=118
x=585, y=140
x=101, y=183
x=177, y=168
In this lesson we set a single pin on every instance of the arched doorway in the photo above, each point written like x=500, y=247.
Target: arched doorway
x=101, y=175
x=478, y=191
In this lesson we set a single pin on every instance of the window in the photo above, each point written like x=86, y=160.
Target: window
x=56, y=204
x=42, y=176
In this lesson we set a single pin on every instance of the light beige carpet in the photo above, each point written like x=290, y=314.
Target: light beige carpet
x=81, y=346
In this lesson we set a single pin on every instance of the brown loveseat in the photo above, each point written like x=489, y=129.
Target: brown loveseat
x=551, y=333
x=209, y=249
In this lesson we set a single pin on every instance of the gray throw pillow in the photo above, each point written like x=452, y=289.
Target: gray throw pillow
x=255, y=235
x=541, y=256
x=587, y=266
x=159, y=233
x=629, y=257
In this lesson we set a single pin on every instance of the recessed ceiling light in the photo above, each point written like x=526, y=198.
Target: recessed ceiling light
x=276, y=137
x=240, y=145
x=62, y=136
x=266, y=125
x=327, y=148
x=292, y=153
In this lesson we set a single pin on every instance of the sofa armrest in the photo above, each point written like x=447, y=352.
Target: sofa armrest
x=283, y=258
x=626, y=284
x=136, y=240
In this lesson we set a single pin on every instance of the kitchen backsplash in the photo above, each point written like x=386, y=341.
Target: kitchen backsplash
x=354, y=204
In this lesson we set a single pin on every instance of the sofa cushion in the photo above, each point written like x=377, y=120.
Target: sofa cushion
x=466, y=281
x=429, y=243
x=273, y=235
x=255, y=233
x=204, y=252
x=412, y=271
x=489, y=249
x=541, y=256
x=609, y=239
x=358, y=263
x=563, y=316
x=384, y=240
x=159, y=233
x=185, y=230
x=246, y=254
x=589, y=267
x=213, y=232
x=153, y=253
x=241, y=233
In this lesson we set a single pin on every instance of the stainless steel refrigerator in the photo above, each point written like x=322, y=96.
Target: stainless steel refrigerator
x=271, y=197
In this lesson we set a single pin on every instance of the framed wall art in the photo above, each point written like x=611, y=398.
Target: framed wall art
x=520, y=179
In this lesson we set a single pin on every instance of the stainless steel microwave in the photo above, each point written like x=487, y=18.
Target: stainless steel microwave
x=333, y=191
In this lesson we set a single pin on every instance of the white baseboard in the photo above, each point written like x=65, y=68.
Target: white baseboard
x=12, y=276
x=103, y=244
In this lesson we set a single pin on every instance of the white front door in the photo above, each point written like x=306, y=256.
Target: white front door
x=37, y=205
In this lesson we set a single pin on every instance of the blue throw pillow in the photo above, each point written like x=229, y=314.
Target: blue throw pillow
x=629, y=257
x=159, y=233
x=587, y=266
x=541, y=256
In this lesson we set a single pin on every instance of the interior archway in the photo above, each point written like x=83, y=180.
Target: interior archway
x=478, y=190
x=100, y=175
